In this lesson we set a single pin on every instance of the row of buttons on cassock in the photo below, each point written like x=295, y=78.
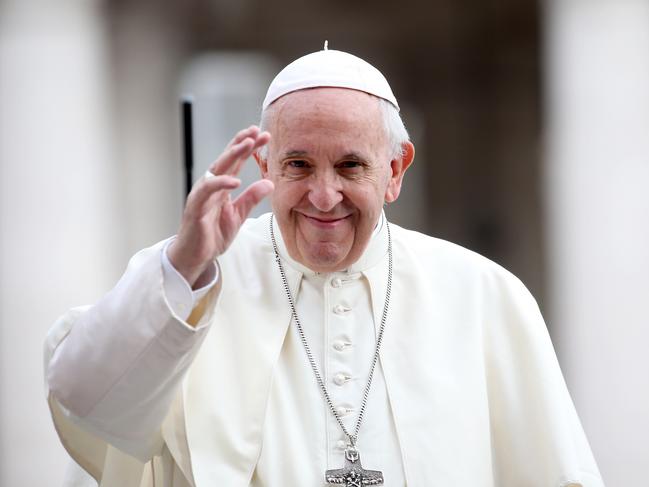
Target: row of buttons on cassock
x=341, y=378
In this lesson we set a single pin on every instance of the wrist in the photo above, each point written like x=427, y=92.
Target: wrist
x=195, y=274
x=206, y=277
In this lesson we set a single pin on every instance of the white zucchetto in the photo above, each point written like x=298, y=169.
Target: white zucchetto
x=330, y=68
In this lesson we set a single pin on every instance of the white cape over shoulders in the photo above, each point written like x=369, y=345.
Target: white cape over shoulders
x=475, y=388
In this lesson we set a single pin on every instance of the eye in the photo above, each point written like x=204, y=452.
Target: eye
x=296, y=168
x=297, y=164
x=351, y=167
x=349, y=164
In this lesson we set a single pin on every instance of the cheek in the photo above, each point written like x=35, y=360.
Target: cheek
x=286, y=195
x=370, y=198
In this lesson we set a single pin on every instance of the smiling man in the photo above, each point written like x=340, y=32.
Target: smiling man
x=333, y=170
x=320, y=344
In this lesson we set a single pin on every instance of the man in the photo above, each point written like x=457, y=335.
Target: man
x=342, y=349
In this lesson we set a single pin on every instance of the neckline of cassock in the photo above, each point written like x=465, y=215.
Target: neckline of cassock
x=376, y=250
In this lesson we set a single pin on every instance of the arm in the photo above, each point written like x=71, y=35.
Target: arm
x=114, y=369
x=537, y=437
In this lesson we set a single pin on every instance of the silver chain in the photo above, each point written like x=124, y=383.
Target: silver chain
x=352, y=437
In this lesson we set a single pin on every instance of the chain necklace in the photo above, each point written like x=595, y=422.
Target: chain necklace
x=352, y=474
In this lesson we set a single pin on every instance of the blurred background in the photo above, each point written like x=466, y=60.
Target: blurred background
x=531, y=122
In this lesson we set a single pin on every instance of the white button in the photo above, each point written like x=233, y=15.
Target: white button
x=341, y=378
x=336, y=282
x=341, y=444
x=340, y=345
x=343, y=410
x=339, y=309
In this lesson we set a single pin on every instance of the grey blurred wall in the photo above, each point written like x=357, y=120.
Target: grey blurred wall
x=60, y=242
x=596, y=179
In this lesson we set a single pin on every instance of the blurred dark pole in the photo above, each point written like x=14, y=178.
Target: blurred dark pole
x=188, y=142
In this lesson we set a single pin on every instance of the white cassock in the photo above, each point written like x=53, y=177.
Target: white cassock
x=467, y=391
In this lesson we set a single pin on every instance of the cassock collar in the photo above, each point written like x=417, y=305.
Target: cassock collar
x=376, y=249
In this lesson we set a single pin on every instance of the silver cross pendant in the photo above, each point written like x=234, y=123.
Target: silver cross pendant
x=353, y=474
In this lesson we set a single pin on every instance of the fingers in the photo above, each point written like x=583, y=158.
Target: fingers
x=262, y=139
x=251, y=132
x=239, y=149
x=203, y=191
x=251, y=197
x=231, y=155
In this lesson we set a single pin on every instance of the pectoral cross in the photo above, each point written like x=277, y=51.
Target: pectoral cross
x=353, y=474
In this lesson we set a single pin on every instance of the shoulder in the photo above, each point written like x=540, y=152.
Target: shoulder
x=466, y=287
x=433, y=251
x=440, y=259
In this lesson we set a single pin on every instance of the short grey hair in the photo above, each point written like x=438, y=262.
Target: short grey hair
x=394, y=128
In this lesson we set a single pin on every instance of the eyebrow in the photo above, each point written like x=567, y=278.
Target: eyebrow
x=353, y=156
x=295, y=153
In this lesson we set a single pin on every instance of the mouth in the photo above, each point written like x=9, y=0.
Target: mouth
x=325, y=222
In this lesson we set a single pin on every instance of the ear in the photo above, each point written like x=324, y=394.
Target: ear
x=262, y=163
x=399, y=167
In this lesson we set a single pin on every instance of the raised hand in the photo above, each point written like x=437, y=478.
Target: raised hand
x=211, y=218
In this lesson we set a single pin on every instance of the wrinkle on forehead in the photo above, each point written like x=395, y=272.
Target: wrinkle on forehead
x=314, y=119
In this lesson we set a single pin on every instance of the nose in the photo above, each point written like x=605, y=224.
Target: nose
x=325, y=193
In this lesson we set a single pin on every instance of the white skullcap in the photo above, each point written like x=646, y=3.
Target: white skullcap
x=329, y=68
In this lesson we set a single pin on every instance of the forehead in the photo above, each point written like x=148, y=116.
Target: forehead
x=332, y=119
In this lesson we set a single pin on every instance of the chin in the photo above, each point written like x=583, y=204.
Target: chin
x=326, y=258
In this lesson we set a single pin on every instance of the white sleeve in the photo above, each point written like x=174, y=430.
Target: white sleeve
x=116, y=367
x=180, y=296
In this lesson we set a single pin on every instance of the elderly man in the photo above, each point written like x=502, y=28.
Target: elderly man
x=320, y=345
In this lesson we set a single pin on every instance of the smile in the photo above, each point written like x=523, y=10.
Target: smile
x=324, y=222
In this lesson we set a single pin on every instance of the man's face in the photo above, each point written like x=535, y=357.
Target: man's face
x=330, y=163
